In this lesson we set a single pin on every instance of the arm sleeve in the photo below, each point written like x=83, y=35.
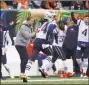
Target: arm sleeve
x=8, y=27
x=51, y=28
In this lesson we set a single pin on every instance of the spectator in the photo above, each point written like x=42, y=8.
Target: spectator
x=43, y=4
x=87, y=4
x=24, y=4
x=65, y=3
x=30, y=5
x=36, y=4
x=59, y=5
x=15, y=4
x=77, y=5
x=3, y=5
x=20, y=4
x=50, y=4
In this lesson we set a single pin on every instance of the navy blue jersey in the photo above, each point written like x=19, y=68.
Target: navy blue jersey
x=71, y=37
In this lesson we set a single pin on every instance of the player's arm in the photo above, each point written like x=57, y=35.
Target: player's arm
x=51, y=28
x=11, y=24
x=72, y=16
x=26, y=33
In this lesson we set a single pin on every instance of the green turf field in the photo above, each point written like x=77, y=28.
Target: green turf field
x=72, y=80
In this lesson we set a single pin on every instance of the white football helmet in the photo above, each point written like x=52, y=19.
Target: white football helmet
x=49, y=15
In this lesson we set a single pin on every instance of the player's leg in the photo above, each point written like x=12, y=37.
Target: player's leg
x=68, y=54
x=62, y=56
x=4, y=62
x=47, y=62
x=34, y=55
x=66, y=51
x=79, y=58
x=85, y=61
x=0, y=63
x=41, y=58
x=52, y=60
x=76, y=68
x=44, y=68
x=57, y=53
x=37, y=47
x=35, y=51
x=87, y=73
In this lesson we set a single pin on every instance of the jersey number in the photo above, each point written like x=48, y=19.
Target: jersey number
x=84, y=32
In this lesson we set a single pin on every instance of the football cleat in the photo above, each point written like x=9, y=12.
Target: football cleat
x=65, y=75
x=83, y=74
x=22, y=75
x=43, y=73
x=10, y=74
x=25, y=79
x=71, y=74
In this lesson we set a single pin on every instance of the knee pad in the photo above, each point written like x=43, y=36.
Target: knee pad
x=49, y=58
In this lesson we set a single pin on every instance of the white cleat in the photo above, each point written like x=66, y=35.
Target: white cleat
x=10, y=74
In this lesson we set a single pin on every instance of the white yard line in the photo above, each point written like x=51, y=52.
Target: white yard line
x=51, y=80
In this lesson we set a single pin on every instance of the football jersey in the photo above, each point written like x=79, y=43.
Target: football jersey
x=83, y=33
x=41, y=34
x=43, y=30
x=61, y=37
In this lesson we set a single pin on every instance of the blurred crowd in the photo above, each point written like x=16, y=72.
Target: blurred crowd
x=45, y=4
